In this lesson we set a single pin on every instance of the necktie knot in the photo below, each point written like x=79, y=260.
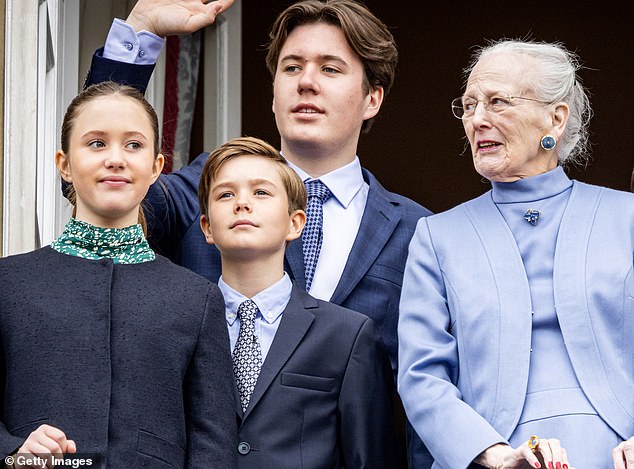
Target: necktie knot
x=247, y=311
x=317, y=189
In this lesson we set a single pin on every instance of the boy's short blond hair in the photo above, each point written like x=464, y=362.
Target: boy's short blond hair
x=250, y=146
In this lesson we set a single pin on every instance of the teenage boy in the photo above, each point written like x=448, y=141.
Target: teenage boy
x=332, y=65
x=313, y=378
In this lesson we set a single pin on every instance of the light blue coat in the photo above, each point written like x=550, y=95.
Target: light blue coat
x=465, y=320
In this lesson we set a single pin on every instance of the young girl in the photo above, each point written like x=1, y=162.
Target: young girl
x=107, y=349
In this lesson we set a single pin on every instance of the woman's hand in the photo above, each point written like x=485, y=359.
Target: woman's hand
x=548, y=454
x=623, y=455
x=45, y=442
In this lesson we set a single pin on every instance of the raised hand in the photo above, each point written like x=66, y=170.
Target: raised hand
x=172, y=17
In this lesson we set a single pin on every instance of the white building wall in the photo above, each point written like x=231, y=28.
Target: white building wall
x=48, y=46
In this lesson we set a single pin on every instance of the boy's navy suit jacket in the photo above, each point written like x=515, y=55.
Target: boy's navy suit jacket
x=323, y=396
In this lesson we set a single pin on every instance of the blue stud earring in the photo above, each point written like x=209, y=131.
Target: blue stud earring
x=548, y=142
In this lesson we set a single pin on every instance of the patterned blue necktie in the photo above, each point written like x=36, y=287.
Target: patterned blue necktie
x=247, y=354
x=312, y=235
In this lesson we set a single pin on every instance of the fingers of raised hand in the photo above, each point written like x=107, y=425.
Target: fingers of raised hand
x=222, y=5
x=174, y=17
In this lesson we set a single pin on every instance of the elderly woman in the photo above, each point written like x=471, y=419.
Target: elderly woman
x=517, y=309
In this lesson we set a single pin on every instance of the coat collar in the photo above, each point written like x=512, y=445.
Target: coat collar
x=380, y=218
x=508, y=278
x=570, y=291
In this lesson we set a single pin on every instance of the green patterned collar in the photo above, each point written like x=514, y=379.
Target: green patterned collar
x=122, y=245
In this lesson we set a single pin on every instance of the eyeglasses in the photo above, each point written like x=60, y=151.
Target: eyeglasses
x=465, y=107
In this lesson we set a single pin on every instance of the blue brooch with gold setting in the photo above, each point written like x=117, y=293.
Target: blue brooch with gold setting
x=532, y=216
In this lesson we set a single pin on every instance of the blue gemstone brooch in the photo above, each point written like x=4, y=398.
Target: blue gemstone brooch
x=532, y=216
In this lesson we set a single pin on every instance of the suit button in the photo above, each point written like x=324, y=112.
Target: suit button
x=244, y=447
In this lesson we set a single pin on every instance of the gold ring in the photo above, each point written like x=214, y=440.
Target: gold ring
x=533, y=442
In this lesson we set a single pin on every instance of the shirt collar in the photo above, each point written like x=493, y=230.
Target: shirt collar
x=344, y=182
x=271, y=301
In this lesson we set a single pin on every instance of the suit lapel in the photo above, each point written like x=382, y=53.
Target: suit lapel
x=570, y=284
x=295, y=322
x=569, y=270
x=515, y=307
x=236, y=393
x=295, y=263
x=380, y=218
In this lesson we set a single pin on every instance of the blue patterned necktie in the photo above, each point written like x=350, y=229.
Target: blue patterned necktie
x=312, y=235
x=247, y=354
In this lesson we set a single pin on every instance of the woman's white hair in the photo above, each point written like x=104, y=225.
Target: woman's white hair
x=558, y=81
